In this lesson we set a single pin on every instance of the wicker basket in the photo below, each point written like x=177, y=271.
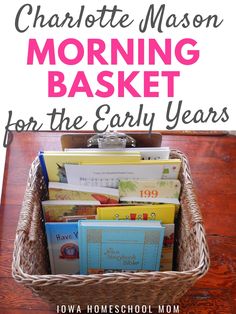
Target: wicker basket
x=31, y=264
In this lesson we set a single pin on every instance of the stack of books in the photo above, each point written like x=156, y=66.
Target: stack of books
x=110, y=211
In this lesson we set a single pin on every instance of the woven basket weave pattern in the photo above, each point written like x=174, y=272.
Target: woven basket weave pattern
x=31, y=263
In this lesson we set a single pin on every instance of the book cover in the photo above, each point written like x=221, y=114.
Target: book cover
x=64, y=191
x=62, y=239
x=109, y=175
x=53, y=163
x=163, y=191
x=62, y=210
x=58, y=211
x=146, y=153
x=166, y=263
x=112, y=245
x=163, y=212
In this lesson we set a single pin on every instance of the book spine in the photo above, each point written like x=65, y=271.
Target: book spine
x=82, y=248
x=50, y=252
x=43, y=166
x=162, y=231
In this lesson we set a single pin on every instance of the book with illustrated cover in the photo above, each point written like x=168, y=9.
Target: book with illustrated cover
x=163, y=212
x=56, y=211
x=62, y=239
x=107, y=246
x=166, y=263
x=63, y=210
x=53, y=163
x=64, y=191
x=109, y=175
x=162, y=191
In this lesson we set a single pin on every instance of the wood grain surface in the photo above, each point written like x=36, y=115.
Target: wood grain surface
x=213, y=164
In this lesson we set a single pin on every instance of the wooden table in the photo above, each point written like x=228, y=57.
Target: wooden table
x=213, y=164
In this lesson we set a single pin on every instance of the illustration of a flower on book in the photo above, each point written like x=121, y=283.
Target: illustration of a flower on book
x=69, y=251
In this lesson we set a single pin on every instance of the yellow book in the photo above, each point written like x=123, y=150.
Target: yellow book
x=163, y=212
x=90, y=151
x=53, y=164
x=164, y=162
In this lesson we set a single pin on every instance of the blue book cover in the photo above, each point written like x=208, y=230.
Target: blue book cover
x=43, y=166
x=63, y=247
x=107, y=246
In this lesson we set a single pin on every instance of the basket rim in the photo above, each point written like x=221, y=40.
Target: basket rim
x=121, y=277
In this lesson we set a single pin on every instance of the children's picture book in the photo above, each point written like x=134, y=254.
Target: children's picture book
x=107, y=246
x=109, y=175
x=56, y=211
x=62, y=239
x=166, y=263
x=163, y=212
x=162, y=191
x=63, y=210
x=146, y=153
x=64, y=191
x=154, y=153
x=53, y=163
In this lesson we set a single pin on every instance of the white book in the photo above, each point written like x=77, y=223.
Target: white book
x=147, y=153
x=82, y=188
x=157, y=200
x=69, y=202
x=109, y=175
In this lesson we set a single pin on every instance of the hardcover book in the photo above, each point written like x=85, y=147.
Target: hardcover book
x=166, y=263
x=58, y=211
x=107, y=246
x=64, y=191
x=163, y=212
x=53, y=163
x=162, y=191
x=63, y=247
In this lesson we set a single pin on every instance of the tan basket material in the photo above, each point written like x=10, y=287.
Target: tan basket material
x=31, y=264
